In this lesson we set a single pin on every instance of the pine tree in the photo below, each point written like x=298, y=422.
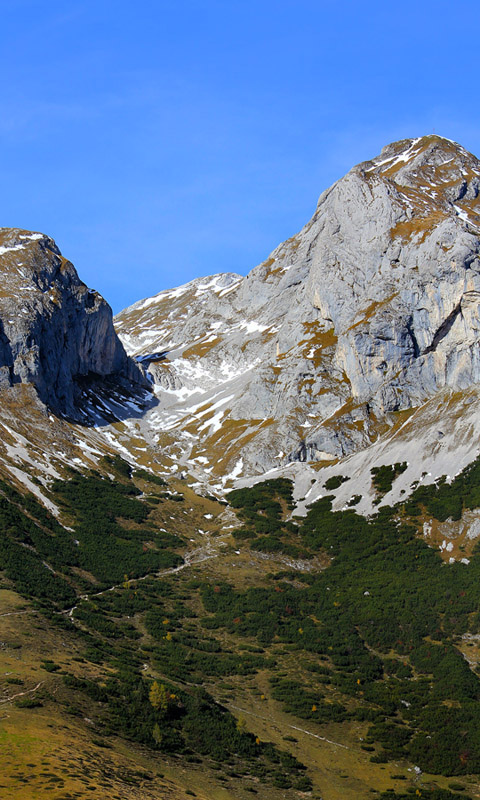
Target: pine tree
x=157, y=734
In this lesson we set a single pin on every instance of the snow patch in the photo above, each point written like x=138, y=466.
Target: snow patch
x=11, y=249
x=236, y=471
x=253, y=327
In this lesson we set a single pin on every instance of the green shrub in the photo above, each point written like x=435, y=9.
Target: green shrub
x=383, y=477
x=334, y=482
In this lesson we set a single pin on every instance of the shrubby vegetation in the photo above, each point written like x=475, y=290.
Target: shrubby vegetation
x=163, y=717
x=30, y=555
x=383, y=477
x=334, y=482
x=108, y=549
x=379, y=625
x=190, y=658
x=150, y=477
x=38, y=554
x=384, y=592
x=111, y=527
x=261, y=496
x=306, y=704
x=354, y=501
x=120, y=466
x=444, y=499
x=263, y=508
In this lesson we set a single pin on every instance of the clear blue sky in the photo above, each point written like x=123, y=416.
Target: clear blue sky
x=160, y=141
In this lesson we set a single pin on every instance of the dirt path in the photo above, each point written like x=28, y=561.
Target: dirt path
x=292, y=727
x=183, y=684
x=14, y=613
x=20, y=694
x=191, y=558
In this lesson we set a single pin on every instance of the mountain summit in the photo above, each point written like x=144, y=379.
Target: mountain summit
x=371, y=309
x=55, y=332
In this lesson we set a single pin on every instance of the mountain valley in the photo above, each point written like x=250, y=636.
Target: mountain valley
x=240, y=520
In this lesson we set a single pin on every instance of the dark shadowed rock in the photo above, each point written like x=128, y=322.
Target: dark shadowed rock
x=54, y=330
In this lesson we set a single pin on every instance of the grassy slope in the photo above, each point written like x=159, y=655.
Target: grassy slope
x=54, y=747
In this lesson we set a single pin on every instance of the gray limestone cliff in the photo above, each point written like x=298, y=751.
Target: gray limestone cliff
x=55, y=333
x=372, y=308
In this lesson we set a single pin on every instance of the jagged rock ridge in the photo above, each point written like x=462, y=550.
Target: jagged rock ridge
x=54, y=331
x=371, y=308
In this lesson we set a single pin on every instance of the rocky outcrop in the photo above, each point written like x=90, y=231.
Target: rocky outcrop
x=391, y=263
x=54, y=331
x=371, y=308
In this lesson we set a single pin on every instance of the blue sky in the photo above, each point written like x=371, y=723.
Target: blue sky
x=161, y=141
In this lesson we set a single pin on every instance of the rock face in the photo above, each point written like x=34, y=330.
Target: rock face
x=54, y=331
x=370, y=309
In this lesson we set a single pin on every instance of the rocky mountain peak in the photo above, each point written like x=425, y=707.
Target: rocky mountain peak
x=355, y=344
x=54, y=330
x=428, y=161
x=432, y=174
x=371, y=309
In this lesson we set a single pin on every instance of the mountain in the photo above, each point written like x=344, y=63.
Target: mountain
x=369, y=313
x=63, y=371
x=354, y=345
x=316, y=631
x=55, y=333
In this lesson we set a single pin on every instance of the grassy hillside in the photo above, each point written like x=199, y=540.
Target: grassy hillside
x=158, y=645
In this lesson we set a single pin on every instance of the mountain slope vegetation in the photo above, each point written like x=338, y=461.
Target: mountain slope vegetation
x=239, y=537
x=355, y=641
